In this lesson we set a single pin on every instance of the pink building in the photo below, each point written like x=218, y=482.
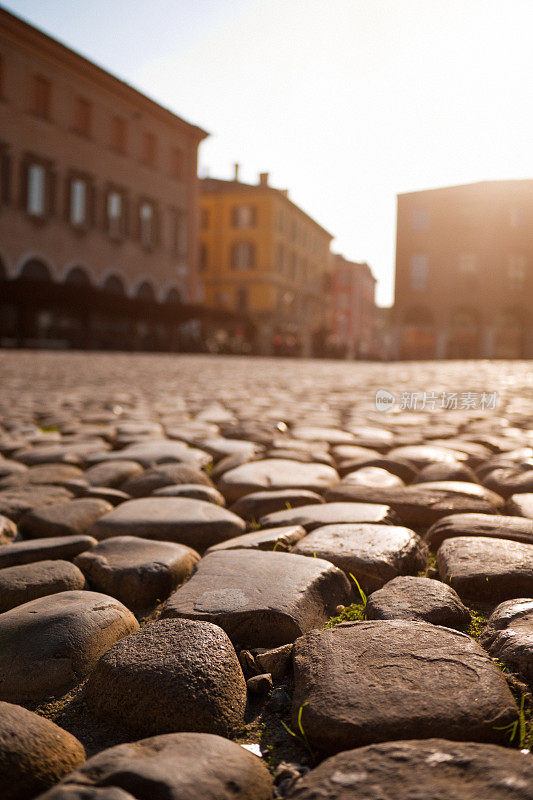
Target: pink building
x=353, y=313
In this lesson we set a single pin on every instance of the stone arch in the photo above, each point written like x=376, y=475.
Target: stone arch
x=145, y=291
x=36, y=270
x=3, y=270
x=464, y=339
x=114, y=284
x=417, y=333
x=77, y=276
x=173, y=296
x=28, y=257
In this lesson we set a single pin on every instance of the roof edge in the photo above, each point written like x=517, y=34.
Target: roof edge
x=18, y=28
x=281, y=193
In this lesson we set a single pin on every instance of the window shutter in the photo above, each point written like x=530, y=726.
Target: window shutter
x=126, y=215
x=155, y=226
x=91, y=203
x=174, y=238
x=68, y=197
x=235, y=217
x=24, y=169
x=51, y=184
x=104, y=218
x=253, y=216
x=5, y=178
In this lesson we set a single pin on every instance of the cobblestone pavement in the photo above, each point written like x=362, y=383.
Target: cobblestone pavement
x=326, y=564
x=94, y=378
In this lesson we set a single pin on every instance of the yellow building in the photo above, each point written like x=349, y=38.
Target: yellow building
x=261, y=254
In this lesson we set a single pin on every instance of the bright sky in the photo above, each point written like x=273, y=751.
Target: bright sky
x=345, y=102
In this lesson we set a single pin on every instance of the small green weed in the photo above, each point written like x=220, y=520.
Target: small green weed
x=500, y=664
x=288, y=506
x=353, y=613
x=431, y=564
x=477, y=624
x=361, y=593
x=523, y=726
x=301, y=736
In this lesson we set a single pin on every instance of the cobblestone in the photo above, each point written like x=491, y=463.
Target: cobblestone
x=176, y=441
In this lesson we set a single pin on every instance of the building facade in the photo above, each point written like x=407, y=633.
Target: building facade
x=261, y=254
x=98, y=187
x=353, y=320
x=464, y=272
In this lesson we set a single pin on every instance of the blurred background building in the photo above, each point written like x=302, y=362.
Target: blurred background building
x=353, y=314
x=464, y=272
x=99, y=202
x=100, y=237
x=261, y=254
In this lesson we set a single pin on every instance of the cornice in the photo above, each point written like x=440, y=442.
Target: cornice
x=24, y=35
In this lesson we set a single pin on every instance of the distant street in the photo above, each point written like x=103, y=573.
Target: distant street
x=249, y=388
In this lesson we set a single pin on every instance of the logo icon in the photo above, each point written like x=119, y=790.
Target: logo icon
x=384, y=400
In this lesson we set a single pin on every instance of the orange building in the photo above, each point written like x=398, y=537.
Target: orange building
x=99, y=191
x=262, y=255
x=464, y=272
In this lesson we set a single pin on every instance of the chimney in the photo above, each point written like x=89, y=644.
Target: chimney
x=263, y=179
x=236, y=166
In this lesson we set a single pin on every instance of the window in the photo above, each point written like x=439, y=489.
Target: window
x=516, y=269
x=243, y=256
x=176, y=163
x=244, y=216
x=37, y=185
x=41, y=96
x=467, y=264
x=149, y=149
x=204, y=258
x=419, y=271
x=36, y=202
x=204, y=219
x=147, y=223
x=223, y=298
x=420, y=219
x=5, y=174
x=83, y=111
x=178, y=232
x=116, y=213
x=241, y=299
x=119, y=134
x=79, y=195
